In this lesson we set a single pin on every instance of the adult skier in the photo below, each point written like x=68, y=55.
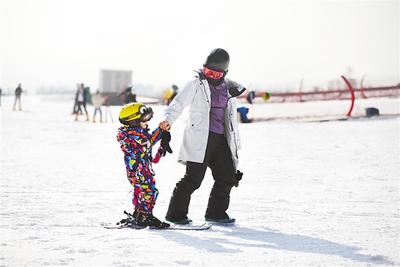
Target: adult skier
x=211, y=139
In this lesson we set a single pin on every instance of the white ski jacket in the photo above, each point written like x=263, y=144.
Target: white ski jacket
x=196, y=93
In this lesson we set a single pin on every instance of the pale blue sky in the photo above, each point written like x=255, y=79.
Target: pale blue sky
x=273, y=44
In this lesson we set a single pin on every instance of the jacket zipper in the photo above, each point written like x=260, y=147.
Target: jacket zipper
x=205, y=93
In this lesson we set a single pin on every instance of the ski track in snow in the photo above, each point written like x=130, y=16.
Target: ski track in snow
x=313, y=194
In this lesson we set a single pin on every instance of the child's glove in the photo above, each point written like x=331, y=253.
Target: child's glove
x=165, y=139
x=164, y=147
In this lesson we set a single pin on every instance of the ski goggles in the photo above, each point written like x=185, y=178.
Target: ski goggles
x=213, y=74
x=147, y=113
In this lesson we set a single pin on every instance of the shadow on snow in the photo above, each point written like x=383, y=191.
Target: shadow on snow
x=273, y=239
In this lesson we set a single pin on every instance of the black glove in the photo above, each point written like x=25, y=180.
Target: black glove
x=238, y=177
x=165, y=139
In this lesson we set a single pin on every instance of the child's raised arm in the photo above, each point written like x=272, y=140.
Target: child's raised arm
x=156, y=136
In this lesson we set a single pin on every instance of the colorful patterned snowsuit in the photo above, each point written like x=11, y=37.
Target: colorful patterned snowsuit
x=136, y=143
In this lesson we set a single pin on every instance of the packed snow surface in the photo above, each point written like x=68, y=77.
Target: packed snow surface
x=313, y=193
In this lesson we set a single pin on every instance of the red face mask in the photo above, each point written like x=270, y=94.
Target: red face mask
x=213, y=74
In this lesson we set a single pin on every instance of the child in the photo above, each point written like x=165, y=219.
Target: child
x=136, y=143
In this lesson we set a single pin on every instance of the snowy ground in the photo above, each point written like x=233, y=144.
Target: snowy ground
x=313, y=194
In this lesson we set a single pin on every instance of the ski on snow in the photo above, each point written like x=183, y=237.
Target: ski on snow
x=130, y=222
x=186, y=227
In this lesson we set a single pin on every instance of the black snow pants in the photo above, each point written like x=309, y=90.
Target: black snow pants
x=218, y=159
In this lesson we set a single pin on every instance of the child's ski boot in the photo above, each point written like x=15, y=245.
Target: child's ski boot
x=144, y=219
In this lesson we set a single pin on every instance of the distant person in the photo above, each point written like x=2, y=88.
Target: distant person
x=243, y=111
x=18, y=93
x=81, y=100
x=167, y=95
x=128, y=95
x=75, y=109
x=88, y=95
x=174, y=93
x=97, y=101
x=250, y=97
x=210, y=140
x=170, y=94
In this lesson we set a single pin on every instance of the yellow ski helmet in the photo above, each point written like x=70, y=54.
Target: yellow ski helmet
x=135, y=112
